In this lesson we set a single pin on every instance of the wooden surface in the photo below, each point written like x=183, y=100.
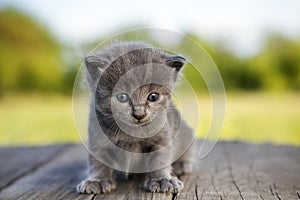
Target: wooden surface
x=231, y=171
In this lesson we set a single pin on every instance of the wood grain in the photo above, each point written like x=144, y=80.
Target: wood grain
x=17, y=162
x=231, y=171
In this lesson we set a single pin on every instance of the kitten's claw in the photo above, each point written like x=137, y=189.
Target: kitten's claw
x=172, y=185
x=95, y=186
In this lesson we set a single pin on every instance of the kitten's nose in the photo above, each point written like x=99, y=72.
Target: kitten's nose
x=139, y=117
x=139, y=112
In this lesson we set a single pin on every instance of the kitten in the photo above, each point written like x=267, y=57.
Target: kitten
x=131, y=85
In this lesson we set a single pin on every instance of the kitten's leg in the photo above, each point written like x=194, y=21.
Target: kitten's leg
x=162, y=181
x=99, y=179
x=184, y=164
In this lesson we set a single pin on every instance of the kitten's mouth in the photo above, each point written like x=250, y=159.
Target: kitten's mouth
x=138, y=123
x=142, y=122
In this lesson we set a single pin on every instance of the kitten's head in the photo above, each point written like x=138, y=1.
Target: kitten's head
x=132, y=82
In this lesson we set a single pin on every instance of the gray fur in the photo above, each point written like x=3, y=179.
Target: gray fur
x=104, y=70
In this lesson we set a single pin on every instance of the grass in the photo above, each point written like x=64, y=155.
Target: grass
x=35, y=119
x=263, y=118
x=251, y=117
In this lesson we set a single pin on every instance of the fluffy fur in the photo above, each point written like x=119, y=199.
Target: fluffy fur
x=105, y=70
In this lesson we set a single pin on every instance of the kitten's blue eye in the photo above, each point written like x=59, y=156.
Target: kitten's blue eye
x=153, y=96
x=122, y=97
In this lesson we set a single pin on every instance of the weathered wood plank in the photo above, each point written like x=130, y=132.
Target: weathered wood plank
x=17, y=162
x=276, y=172
x=230, y=171
x=243, y=171
x=240, y=159
x=212, y=180
x=55, y=180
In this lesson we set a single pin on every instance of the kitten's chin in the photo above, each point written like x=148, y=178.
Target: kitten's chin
x=136, y=123
x=139, y=123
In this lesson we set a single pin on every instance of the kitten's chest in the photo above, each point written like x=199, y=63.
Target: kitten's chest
x=130, y=146
x=139, y=146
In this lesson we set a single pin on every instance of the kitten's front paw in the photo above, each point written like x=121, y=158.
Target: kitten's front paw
x=95, y=186
x=163, y=185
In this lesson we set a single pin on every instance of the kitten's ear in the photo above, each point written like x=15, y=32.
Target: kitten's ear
x=94, y=65
x=175, y=62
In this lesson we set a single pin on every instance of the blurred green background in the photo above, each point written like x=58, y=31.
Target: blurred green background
x=37, y=72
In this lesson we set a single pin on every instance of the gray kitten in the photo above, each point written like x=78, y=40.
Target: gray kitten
x=131, y=108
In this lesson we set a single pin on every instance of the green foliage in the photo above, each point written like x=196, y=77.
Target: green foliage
x=279, y=63
x=276, y=67
x=30, y=56
x=32, y=59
